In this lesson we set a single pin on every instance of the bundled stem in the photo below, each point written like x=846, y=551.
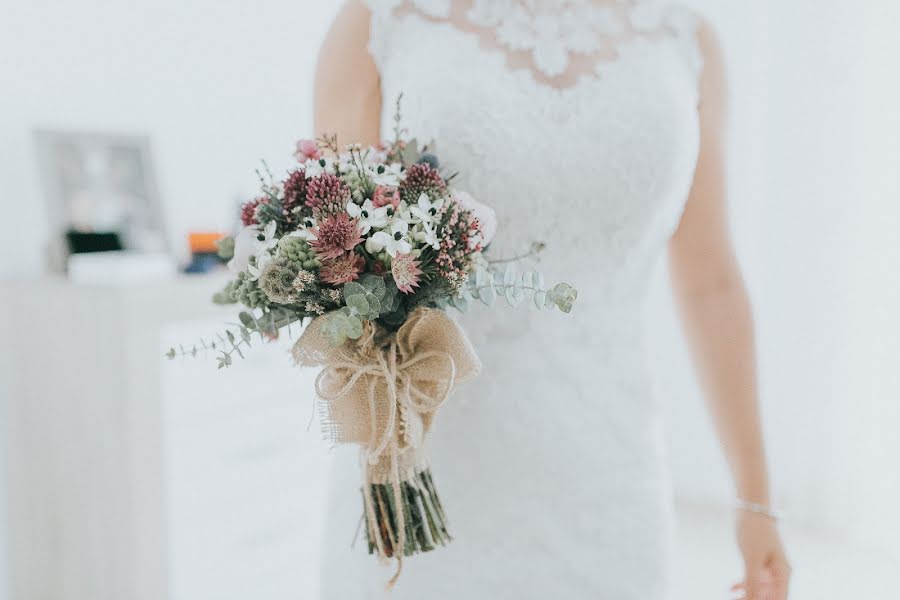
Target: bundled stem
x=426, y=523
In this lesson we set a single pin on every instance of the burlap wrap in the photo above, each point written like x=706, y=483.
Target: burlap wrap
x=382, y=391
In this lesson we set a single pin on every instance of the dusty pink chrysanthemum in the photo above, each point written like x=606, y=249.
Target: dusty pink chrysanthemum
x=406, y=271
x=326, y=195
x=343, y=269
x=248, y=211
x=335, y=234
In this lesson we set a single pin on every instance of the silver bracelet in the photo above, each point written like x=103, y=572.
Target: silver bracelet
x=760, y=509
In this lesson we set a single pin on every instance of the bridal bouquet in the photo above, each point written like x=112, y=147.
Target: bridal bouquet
x=371, y=245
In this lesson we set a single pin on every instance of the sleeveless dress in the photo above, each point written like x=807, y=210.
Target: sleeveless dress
x=577, y=121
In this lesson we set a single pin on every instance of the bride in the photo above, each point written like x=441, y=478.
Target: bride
x=551, y=466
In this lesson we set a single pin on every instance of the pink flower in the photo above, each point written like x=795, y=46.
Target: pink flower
x=343, y=269
x=307, y=150
x=406, y=271
x=326, y=194
x=334, y=235
x=248, y=211
x=384, y=196
x=484, y=215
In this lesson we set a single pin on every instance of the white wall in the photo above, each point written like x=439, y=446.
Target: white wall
x=218, y=85
x=814, y=183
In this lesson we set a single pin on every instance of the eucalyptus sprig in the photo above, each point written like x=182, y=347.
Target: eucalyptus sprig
x=515, y=288
x=228, y=342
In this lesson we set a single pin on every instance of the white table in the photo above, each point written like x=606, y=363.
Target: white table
x=132, y=477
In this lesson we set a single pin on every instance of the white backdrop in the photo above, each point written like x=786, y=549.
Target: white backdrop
x=815, y=148
x=815, y=184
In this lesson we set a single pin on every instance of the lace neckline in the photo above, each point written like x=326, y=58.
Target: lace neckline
x=558, y=40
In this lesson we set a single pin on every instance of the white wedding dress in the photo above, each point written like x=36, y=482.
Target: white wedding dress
x=577, y=121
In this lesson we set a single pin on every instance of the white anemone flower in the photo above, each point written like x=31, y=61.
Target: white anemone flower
x=315, y=167
x=426, y=209
x=427, y=234
x=368, y=216
x=393, y=242
x=252, y=241
x=389, y=177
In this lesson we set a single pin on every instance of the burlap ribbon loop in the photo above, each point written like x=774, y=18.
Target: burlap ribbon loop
x=382, y=391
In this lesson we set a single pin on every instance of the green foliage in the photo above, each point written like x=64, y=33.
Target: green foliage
x=225, y=247
x=563, y=296
x=297, y=250
x=341, y=325
x=269, y=211
x=514, y=288
x=241, y=290
x=368, y=297
x=248, y=293
x=410, y=154
x=228, y=294
x=361, y=186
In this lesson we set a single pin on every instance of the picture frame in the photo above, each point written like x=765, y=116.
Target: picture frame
x=99, y=185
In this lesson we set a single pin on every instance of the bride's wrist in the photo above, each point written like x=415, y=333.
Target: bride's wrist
x=763, y=509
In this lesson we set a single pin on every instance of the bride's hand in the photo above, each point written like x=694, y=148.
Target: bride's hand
x=766, y=567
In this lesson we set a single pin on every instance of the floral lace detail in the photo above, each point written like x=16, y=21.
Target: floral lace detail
x=558, y=40
x=550, y=31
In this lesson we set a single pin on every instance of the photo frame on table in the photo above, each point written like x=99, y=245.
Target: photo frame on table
x=100, y=192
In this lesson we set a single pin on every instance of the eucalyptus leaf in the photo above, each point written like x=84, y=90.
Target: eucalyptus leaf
x=460, y=303
x=410, y=152
x=354, y=328
x=353, y=288
x=374, y=284
x=358, y=304
x=509, y=275
x=487, y=294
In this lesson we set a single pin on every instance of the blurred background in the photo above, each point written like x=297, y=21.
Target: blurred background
x=126, y=477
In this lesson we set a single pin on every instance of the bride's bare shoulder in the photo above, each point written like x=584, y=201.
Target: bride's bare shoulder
x=713, y=84
x=347, y=87
x=349, y=31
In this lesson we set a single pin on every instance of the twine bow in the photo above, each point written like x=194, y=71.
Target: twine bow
x=382, y=392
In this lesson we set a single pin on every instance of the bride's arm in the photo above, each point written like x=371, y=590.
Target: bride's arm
x=718, y=322
x=348, y=89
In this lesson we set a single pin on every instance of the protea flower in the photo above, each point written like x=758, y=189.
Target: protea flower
x=406, y=271
x=326, y=195
x=421, y=179
x=335, y=235
x=343, y=269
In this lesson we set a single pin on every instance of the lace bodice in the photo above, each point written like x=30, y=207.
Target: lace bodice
x=576, y=120
x=560, y=41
